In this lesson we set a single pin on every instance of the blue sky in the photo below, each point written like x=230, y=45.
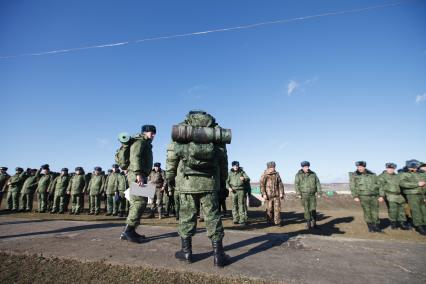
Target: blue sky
x=331, y=90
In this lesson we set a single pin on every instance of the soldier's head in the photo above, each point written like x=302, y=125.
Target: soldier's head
x=271, y=166
x=361, y=166
x=64, y=171
x=157, y=166
x=235, y=165
x=115, y=168
x=3, y=170
x=422, y=167
x=305, y=166
x=79, y=171
x=110, y=171
x=149, y=131
x=45, y=169
x=412, y=166
x=390, y=168
x=98, y=170
x=19, y=170
x=33, y=172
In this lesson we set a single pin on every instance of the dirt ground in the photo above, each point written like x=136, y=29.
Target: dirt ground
x=49, y=248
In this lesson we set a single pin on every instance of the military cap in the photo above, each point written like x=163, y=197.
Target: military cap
x=64, y=170
x=236, y=163
x=270, y=164
x=391, y=166
x=18, y=169
x=4, y=168
x=157, y=164
x=305, y=164
x=422, y=164
x=45, y=167
x=33, y=170
x=115, y=166
x=412, y=163
x=110, y=171
x=98, y=169
x=149, y=128
x=197, y=111
x=78, y=169
x=361, y=164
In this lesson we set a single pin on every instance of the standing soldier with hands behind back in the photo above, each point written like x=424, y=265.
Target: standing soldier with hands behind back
x=272, y=189
x=364, y=187
x=94, y=189
x=307, y=186
x=59, y=188
x=75, y=188
x=236, y=183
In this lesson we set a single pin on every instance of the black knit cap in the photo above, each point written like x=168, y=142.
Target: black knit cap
x=18, y=169
x=64, y=170
x=157, y=164
x=236, y=163
x=149, y=128
x=4, y=168
x=45, y=167
x=78, y=169
x=115, y=166
x=98, y=169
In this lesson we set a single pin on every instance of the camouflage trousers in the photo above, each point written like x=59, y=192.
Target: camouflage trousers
x=169, y=202
x=418, y=209
x=42, y=201
x=176, y=196
x=59, y=203
x=157, y=201
x=273, y=210
x=94, y=203
x=76, y=203
x=309, y=203
x=137, y=205
x=188, y=215
x=370, y=206
x=122, y=203
x=396, y=211
x=13, y=199
x=112, y=205
x=26, y=201
x=239, y=208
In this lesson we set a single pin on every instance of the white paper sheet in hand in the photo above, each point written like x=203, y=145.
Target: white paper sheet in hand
x=148, y=190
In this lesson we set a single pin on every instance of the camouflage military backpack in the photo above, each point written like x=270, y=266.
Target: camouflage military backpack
x=122, y=155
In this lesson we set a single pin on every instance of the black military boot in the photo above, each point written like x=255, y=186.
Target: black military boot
x=421, y=230
x=394, y=225
x=376, y=228
x=404, y=226
x=308, y=225
x=129, y=234
x=220, y=258
x=314, y=219
x=370, y=227
x=185, y=254
x=151, y=214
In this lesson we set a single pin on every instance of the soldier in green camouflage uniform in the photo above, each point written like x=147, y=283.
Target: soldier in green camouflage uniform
x=111, y=188
x=75, y=188
x=272, y=189
x=364, y=187
x=94, y=189
x=307, y=186
x=14, y=188
x=198, y=184
x=45, y=179
x=27, y=192
x=413, y=185
x=236, y=183
x=140, y=166
x=122, y=203
x=4, y=177
x=389, y=189
x=158, y=178
x=59, y=188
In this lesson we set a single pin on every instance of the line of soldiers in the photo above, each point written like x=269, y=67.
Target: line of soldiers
x=403, y=192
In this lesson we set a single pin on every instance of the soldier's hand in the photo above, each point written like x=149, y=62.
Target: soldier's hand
x=356, y=199
x=422, y=183
x=299, y=196
x=381, y=199
x=242, y=178
x=139, y=180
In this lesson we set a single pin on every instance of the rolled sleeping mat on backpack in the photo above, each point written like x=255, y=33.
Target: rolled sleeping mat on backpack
x=124, y=137
x=202, y=135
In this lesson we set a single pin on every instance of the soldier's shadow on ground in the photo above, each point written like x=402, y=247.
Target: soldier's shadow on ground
x=64, y=230
x=270, y=240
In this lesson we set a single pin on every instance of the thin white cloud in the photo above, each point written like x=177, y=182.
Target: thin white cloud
x=420, y=98
x=291, y=87
x=102, y=142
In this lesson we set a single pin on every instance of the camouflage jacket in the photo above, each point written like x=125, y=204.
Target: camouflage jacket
x=96, y=185
x=141, y=159
x=234, y=181
x=158, y=178
x=307, y=183
x=271, y=184
x=16, y=181
x=363, y=184
x=3, y=180
x=114, y=182
x=44, y=181
x=77, y=184
x=409, y=183
x=59, y=185
x=30, y=184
